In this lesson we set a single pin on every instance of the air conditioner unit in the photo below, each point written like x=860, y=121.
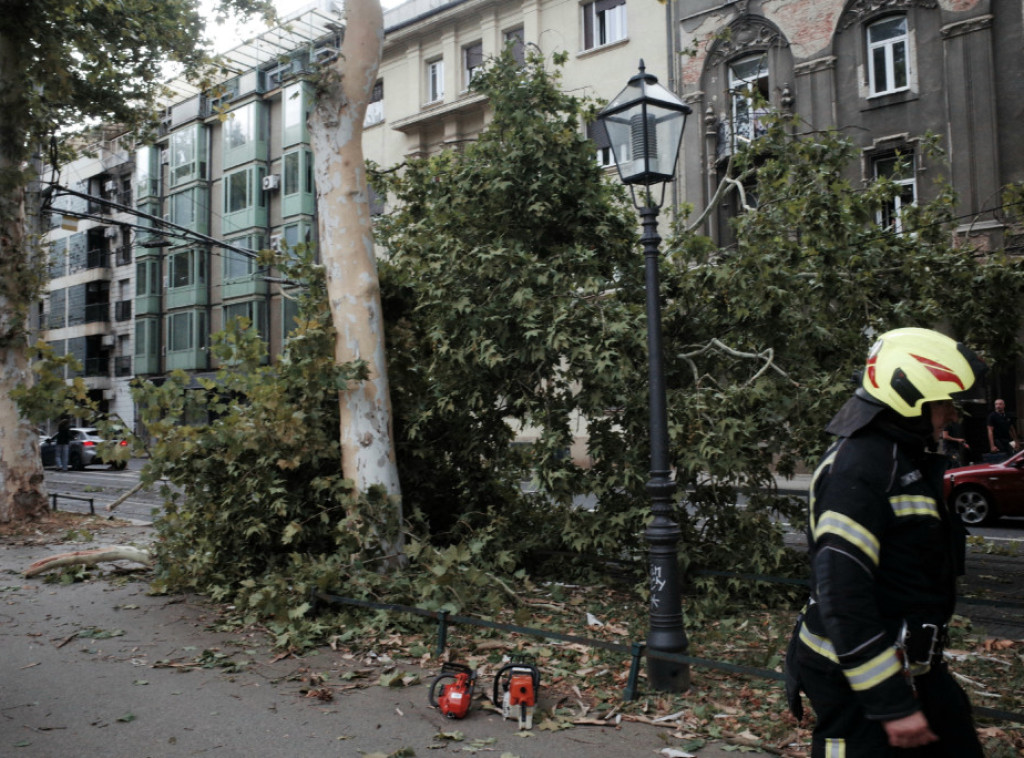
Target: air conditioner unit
x=110, y=232
x=165, y=156
x=276, y=242
x=108, y=340
x=110, y=186
x=271, y=181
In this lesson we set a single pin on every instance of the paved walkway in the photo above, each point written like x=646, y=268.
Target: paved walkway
x=101, y=669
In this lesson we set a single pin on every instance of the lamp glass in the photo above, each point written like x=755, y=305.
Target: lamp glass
x=644, y=124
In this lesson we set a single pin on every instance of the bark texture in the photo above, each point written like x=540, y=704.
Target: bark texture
x=347, y=249
x=22, y=490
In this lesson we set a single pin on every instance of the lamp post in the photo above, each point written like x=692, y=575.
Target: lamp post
x=644, y=125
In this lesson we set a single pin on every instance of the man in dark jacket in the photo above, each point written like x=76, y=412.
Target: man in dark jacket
x=63, y=443
x=885, y=552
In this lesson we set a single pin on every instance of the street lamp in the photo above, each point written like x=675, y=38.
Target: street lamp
x=644, y=125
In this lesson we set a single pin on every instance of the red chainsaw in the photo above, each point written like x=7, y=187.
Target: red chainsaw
x=456, y=690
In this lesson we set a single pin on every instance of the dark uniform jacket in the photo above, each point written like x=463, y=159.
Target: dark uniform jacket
x=884, y=551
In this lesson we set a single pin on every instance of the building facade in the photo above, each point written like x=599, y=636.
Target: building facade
x=886, y=73
x=131, y=295
x=138, y=292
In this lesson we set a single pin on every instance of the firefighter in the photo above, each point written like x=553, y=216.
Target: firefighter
x=885, y=552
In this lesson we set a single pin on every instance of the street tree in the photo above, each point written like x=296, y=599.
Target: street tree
x=64, y=65
x=347, y=252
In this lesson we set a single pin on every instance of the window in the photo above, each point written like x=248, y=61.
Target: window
x=190, y=209
x=238, y=265
x=291, y=172
x=240, y=127
x=186, y=331
x=597, y=134
x=900, y=168
x=295, y=100
x=147, y=278
x=147, y=171
x=516, y=39
x=887, y=55
x=472, y=61
x=435, y=81
x=187, y=269
x=254, y=311
x=244, y=134
x=245, y=203
x=604, y=22
x=147, y=337
x=748, y=89
x=375, y=108
x=187, y=155
x=298, y=194
x=243, y=190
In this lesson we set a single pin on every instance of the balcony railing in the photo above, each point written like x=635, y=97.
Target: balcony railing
x=123, y=365
x=96, y=367
x=97, y=313
x=97, y=258
x=123, y=310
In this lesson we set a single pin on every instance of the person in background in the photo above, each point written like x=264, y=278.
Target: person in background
x=885, y=553
x=1002, y=436
x=954, y=444
x=63, y=442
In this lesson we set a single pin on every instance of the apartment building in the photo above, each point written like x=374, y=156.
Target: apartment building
x=887, y=73
x=150, y=254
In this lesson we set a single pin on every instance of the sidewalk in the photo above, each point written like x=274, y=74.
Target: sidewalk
x=100, y=669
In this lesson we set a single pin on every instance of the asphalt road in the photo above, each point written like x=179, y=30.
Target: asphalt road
x=102, y=485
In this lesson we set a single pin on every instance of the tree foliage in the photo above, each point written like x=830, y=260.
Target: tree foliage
x=64, y=66
x=514, y=298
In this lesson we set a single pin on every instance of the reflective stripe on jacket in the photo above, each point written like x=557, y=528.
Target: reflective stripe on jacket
x=884, y=549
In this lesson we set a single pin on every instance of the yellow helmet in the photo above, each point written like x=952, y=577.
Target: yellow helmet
x=909, y=367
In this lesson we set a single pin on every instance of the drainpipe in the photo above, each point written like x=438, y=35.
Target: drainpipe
x=267, y=298
x=670, y=48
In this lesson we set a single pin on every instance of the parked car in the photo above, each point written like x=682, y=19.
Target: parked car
x=984, y=492
x=83, y=450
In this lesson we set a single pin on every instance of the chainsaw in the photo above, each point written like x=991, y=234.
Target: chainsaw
x=516, y=685
x=456, y=690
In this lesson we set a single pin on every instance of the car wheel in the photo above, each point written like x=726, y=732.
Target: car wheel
x=973, y=506
x=119, y=465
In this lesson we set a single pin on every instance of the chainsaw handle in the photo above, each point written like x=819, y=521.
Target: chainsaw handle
x=433, y=687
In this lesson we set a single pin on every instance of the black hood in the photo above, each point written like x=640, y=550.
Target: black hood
x=861, y=411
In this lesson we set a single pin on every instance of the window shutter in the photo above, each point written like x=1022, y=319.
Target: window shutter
x=598, y=134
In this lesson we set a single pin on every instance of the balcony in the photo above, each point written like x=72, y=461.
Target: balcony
x=97, y=258
x=97, y=313
x=123, y=365
x=96, y=366
x=123, y=310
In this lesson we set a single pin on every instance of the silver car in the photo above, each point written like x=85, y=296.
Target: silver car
x=83, y=450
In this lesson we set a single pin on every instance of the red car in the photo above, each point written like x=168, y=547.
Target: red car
x=985, y=492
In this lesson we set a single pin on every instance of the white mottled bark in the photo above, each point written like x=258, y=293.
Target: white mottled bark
x=347, y=251
x=22, y=490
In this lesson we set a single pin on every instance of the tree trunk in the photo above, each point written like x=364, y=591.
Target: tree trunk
x=22, y=490
x=347, y=251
